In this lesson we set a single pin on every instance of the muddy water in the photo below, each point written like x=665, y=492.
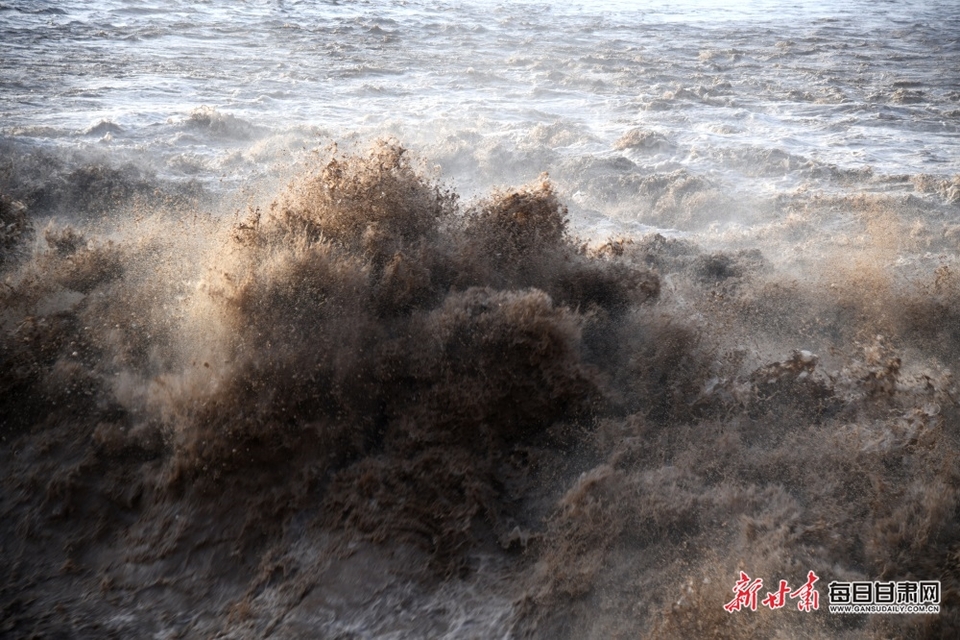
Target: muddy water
x=298, y=340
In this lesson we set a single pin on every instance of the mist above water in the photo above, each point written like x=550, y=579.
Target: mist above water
x=486, y=320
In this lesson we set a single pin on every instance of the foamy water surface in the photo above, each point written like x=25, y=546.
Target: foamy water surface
x=296, y=341
x=768, y=96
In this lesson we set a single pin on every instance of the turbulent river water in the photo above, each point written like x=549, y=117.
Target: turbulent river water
x=363, y=319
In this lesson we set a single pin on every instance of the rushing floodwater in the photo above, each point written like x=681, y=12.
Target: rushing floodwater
x=295, y=340
x=765, y=96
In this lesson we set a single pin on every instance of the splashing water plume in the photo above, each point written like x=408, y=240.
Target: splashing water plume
x=366, y=366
